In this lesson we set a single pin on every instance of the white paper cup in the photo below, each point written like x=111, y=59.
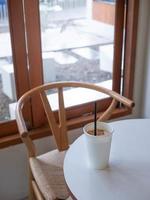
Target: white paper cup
x=98, y=147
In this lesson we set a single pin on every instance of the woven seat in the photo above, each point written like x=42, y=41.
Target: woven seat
x=48, y=172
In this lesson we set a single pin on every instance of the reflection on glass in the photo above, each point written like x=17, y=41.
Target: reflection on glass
x=7, y=82
x=77, y=41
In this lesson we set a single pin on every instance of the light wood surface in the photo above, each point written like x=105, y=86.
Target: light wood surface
x=106, y=115
x=51, y=119
x=62, y=120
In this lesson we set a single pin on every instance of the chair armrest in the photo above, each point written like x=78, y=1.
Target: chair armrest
x=127, y=102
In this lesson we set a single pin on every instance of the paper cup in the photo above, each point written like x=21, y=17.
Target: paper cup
x=98, y=147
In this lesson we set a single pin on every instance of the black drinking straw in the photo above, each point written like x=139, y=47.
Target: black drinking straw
x=95, y=122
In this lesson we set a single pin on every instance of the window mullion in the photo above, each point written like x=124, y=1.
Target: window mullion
x=16, y=21
x=32, y=25
x=118, y=44
x=130, y=48
x=19, y=56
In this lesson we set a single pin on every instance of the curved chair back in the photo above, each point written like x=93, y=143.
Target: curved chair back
x=59, y=130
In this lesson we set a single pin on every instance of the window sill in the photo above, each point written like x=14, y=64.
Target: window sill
x=14, y=139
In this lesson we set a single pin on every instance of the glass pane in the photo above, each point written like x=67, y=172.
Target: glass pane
x=7, y=82
x=77, y=40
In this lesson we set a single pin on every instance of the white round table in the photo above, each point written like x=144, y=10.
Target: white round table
x=128, y=174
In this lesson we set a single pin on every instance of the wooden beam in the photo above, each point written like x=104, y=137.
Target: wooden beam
x=130, y=47
x=33, y=32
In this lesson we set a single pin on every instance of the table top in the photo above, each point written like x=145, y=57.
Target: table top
x=128, y=174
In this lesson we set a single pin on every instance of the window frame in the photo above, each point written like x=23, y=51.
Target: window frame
x=30, y=81
x=35, y=41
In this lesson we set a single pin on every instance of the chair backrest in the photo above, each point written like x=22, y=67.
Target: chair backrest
x=59, y=130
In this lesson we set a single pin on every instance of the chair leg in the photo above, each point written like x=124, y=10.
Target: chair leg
x=31, y=191
x=37, y=192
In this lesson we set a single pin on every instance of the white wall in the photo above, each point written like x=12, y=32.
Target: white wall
x=141, y=51
x=146, y=86
x=13, y=160
x=13, y=173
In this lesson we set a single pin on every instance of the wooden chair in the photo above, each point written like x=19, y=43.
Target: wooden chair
x=46, y=171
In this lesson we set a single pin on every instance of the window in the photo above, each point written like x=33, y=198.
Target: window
x=101, y=49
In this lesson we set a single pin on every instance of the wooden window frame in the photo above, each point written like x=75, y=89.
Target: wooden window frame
x=19, y=55
x=8, y=138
